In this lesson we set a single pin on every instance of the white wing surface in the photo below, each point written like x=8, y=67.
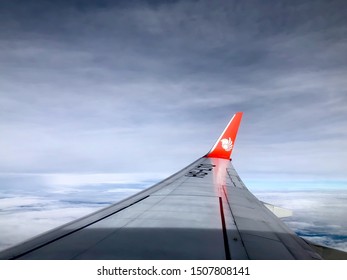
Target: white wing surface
x=203, y=211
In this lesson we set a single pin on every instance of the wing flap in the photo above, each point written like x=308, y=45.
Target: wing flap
x=280, y=212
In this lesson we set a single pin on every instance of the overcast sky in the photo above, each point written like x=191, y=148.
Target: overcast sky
x=146, y=87
x=137, y=86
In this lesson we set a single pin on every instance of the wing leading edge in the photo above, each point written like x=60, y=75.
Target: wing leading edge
x=203, y=211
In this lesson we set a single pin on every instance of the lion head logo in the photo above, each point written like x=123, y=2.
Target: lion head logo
x=227, y=144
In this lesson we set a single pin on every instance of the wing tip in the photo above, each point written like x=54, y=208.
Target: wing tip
x=225, y=143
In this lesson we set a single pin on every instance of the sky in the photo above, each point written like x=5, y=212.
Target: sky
x=100, y=96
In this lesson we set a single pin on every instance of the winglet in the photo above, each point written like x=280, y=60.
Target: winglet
x=225, y=143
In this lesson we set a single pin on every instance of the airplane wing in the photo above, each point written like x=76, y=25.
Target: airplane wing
x=204, y=211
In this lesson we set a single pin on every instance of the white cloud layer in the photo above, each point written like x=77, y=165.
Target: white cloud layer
x=319, y=215
x=30, y=205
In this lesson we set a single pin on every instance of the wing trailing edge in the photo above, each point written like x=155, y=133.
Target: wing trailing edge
x=225, y=143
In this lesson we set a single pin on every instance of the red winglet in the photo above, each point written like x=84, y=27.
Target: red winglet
x=225, y=143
